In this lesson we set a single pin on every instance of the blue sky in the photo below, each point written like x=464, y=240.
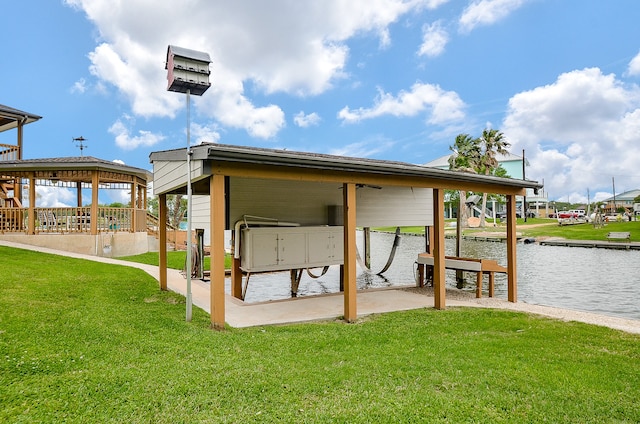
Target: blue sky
x=386, y=79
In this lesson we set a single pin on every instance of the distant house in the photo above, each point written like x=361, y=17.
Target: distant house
x=512, y=164
x=624, y=200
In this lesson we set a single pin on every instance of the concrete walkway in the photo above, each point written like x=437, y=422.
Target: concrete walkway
x=330, y=307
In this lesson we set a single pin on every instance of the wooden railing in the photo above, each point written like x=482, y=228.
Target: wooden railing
x=73, y=220
x=8, y=152
x=12, y=220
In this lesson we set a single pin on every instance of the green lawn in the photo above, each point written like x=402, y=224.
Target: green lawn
x=533, y=228
x=175, y=259
x=83, y=341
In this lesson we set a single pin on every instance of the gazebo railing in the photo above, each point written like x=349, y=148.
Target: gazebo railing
x=9, y=152
x=72, y=220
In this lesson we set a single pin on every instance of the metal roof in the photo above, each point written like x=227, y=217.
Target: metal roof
x=187, y=53
x=443, y=161
x=9, y=117
x=324, y=162
x=80, y=163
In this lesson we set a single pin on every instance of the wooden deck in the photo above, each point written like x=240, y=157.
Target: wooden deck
x=591, y=244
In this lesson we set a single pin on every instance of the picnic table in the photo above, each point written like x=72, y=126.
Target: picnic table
x=479, y=266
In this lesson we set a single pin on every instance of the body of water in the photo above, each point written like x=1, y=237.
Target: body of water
x=596, y=280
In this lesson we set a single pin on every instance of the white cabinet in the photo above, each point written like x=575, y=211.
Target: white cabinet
x=282, y=248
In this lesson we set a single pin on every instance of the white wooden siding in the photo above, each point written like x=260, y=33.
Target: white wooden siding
x=308, y=203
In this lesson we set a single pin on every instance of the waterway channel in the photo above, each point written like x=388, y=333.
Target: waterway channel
x=586, y=279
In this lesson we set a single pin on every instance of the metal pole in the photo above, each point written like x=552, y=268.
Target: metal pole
x=188, y=264
x=524, y=198
x=615, y=209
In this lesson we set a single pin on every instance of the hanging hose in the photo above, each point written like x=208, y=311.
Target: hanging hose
x=392, y=254
x=324, y=271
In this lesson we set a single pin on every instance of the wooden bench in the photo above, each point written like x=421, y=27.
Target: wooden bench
x=619, y=235
x=479, y=266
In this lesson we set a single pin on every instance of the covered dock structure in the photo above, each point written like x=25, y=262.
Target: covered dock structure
x=308, y=207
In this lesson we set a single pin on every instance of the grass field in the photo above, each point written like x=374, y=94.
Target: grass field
x=536, y=227
x=175, y=259
x=82, y=342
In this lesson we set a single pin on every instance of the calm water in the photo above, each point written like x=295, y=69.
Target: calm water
x=596, y=280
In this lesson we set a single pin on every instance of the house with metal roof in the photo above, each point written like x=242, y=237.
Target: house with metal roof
x=623, y=200
x=537, y=201
x=292, y=210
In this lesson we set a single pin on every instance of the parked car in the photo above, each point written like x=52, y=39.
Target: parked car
x=576, y=213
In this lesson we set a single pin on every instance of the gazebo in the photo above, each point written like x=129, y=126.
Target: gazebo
x=83, y=228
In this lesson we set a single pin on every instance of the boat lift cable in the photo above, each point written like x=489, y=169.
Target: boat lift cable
x=324, y=271
x=392, y=254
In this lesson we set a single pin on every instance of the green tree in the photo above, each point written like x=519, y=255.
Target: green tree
x=177, y=209
x=466, y=156
x=491, y=143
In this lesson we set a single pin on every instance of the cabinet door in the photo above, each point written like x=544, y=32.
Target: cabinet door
x=325, y=248
x=264, y=251
x=292, y=249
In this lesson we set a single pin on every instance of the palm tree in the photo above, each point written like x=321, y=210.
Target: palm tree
x=465, y=157
x=492, y=143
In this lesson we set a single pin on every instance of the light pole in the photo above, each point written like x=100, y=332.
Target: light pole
x=188, y=72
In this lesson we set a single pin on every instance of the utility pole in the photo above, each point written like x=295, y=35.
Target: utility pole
x=524, y=199
x=613, y=182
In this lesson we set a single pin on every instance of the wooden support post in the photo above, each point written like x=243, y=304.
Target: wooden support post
x=236, y=272
x=236, y=279
x=512, y=282
x=479, y=277
x=79, y=194
x=32, y=204
x=216, y=188
x=366, y=232
x=439, y=271
x=296, y=276
x=349, y=279
x=95, y=183
x=162, y=227
x=134, y=206
x=492, y=284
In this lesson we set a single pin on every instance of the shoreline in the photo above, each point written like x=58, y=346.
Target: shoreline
x=623, y=324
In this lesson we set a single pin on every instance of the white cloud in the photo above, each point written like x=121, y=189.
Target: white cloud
x=634, y=66
x=363, y=149
x=305, y=121
x=442, y=106
x=126, y=141
x=486, y=12
x=570, y=128
x=55, y=197
x=434, y=40
x=204, y=133
x=247, y=44
x=434, y=4
x=79, y=86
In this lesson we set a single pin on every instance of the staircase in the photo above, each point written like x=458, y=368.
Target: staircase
x=7, y=199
